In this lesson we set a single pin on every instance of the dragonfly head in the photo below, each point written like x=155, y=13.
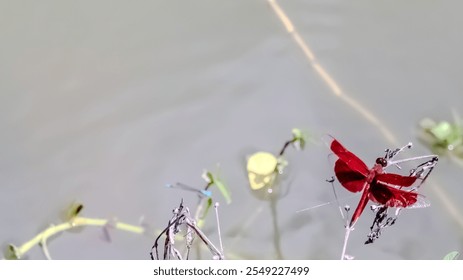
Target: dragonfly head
x=381, y=161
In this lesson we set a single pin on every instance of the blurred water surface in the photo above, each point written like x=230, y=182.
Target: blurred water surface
x=105, y=102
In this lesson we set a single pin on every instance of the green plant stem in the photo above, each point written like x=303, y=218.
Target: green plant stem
x=276, y=228
x=76, y=222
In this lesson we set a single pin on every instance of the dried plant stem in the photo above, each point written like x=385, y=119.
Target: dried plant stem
x=346, y=239
x=42, y=237
x=205, y=240
x=216, y=206
x=286, y=146
x=181, y=218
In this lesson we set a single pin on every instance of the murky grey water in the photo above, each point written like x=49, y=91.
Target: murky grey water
x=106, y=102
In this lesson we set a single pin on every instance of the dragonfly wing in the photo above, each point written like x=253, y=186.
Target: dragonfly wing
x=351, y=179
x=421, y=202
x=396, y=179
x=349, y=158
x=392, y=197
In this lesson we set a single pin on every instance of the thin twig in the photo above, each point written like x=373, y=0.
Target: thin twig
x=206, y=240
x=346, y=239
x=155, y=245
x=286, y=146
x=331, y=181
x=180, y=218
x=410, y=159
x=189, y=242
x=216, y=206
x=327, y=203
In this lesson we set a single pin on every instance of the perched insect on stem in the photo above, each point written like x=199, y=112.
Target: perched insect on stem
x=385, y=189
x=374, y=183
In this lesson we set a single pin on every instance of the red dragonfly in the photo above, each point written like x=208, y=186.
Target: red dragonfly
x=377, y=186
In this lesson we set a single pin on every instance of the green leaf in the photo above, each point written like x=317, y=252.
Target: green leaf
x=211, y=179
x=299, y=137
x=452, y=256
x=223, y=189
x=201, y=219
x=297, y=133
x=11, y=252
x=302, y=143
x=443, y=136
x=206, y=210
x=208, y=177
x=442, y=131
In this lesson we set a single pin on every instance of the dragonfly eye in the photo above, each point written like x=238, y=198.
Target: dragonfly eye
x=381, y=161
